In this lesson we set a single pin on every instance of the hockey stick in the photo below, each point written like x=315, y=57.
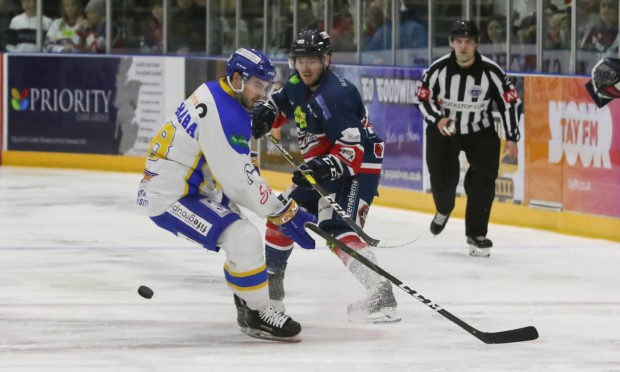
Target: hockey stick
x=503, y=337
x=335, y=206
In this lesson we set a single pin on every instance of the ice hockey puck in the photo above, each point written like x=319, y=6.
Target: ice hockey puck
x=145, y=291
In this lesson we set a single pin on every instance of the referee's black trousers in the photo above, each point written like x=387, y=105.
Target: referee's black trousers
x=442, y=158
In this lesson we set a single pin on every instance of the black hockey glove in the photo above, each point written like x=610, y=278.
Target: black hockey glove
x=605, y=83
x=322, y=169
x=263, y=115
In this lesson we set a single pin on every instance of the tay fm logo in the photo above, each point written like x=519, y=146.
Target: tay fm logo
x=19, y=101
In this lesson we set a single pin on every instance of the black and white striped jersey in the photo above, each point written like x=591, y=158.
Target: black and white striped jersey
x=467, y=95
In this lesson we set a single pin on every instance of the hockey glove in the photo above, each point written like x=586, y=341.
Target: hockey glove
x=291, y=221
x=605, y=83
x=323, y=169
x=264, y=114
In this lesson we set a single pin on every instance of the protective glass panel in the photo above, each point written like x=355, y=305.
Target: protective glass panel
x=186, y=27
x=597, y=32
x=445, y=13
x=377, y=32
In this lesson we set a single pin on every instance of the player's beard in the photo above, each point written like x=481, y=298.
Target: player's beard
x=245, y=101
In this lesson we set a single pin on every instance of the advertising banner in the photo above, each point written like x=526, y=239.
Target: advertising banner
x=103, y=105
x=573, y=151
x=62, y=104
x=389, y=94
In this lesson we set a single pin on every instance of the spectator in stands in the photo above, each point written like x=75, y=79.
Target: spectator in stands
x=8, y=10
x=152, y=42
x=91, y=32
x=495, y=31
x=493, y=39
x=373, y=19
x=526, y=31
x=600, y=35
x=412, y=34
x=60, y=35
x=22, y=32
x=559, y=32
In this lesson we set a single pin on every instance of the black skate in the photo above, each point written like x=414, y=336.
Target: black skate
x=269, y=324
x=240, y=304
x=379, y=307
x=479, y=246
x=438, y=223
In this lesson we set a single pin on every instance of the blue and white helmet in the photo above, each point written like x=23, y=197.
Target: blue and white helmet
x=250, y=62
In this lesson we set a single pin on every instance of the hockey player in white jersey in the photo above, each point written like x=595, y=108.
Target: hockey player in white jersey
x=199, y=171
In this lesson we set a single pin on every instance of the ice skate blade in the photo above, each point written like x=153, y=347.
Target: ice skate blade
x=479, y=252
x=257, y=333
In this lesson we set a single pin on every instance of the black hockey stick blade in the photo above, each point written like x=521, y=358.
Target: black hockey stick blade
x=503, y=337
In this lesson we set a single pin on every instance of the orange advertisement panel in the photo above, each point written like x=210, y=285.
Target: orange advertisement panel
x=572, y=149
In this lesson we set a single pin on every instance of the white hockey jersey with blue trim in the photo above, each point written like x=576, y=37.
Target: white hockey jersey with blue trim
x=204, y=148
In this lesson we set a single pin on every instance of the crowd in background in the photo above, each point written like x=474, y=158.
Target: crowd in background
x=137, y=28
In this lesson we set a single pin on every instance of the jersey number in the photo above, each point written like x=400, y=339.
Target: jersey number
x=161, y=143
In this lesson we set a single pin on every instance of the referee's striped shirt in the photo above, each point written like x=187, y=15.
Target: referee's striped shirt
x=467, y=95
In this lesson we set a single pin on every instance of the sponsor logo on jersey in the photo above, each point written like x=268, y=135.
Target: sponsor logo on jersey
x=265, y=192
x=448, y=104
x=238, y=140
x=142, y=200
x=19, y=101
x=351, y=135
x=300, y=118
x=294, y=79
x=475, y=91
x=216, y=207
x=352, y=198
x=190, y=218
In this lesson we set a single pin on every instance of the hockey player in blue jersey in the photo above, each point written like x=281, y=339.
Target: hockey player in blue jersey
x=342, y=153
x=199, y=172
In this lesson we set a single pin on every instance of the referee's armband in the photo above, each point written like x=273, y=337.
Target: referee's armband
x=423, y=94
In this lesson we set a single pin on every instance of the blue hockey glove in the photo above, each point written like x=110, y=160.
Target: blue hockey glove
x=322, y=169
x=264, y=114
x=291, y=221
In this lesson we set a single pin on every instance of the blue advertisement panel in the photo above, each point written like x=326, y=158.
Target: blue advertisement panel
x=389, y=95
x=63, y=104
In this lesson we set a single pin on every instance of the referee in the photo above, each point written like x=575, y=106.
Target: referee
x=456, y=99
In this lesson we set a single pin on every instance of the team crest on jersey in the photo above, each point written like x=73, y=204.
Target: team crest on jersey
x=148, y=175
x=379, y=150
x=475, y=91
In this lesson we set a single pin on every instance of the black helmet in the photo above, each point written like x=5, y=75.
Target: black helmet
x=464, y=28
x=311, y=43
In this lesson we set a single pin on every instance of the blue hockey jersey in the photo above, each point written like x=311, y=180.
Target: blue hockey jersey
x=332, y=120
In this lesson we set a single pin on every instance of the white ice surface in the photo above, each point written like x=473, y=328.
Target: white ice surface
x=73, y=252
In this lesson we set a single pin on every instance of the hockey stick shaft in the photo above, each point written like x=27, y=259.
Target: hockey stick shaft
x=514, y=335
x=335, y=206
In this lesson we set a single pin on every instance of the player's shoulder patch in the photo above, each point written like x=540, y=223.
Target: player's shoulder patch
x=294, y=79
